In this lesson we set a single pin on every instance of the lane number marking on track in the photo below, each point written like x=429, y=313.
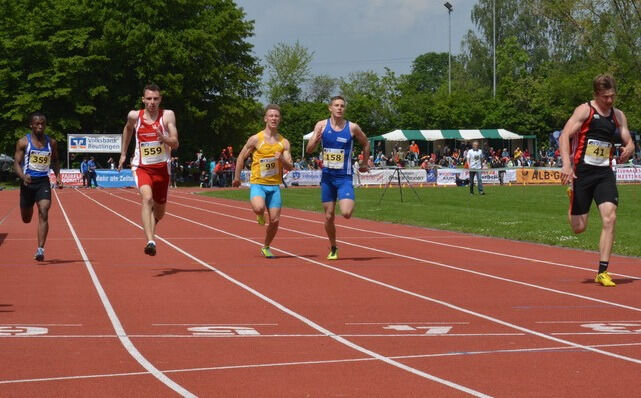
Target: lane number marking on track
x=614, y=327
x=428, y=329
x=22, y=331
x=223, y=331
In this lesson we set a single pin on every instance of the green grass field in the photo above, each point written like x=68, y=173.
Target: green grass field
x=529, y=213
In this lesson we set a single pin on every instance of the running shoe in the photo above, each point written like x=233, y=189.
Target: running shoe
x=150, y=249
x=40, y=254
x=266, y=252
x=333, y=254
x=260, y=219
x=604, y=279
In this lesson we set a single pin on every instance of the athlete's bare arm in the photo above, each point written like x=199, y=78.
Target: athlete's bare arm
x=127, y=132
x=362, y=139
x=316, y=137
x=286, y=157
x=55, y=162
x=240, y=161
x=18, y=158
x=572, y=126
x=169, y=119
x=626, y=138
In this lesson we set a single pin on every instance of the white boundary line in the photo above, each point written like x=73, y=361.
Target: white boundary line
x=422, y=240
x=294, y=314
x=611, y=303
x=417, y=295
x=120, y=331
x=329, y=361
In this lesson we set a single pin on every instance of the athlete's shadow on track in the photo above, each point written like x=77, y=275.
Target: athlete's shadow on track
x=5, y=305
x=362, y=258
x=174, y=271
x=620, y=281
x=2, y=238
x=57, y=261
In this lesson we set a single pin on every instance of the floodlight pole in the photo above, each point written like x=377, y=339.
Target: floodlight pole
x=494, y=48
x=450, y=8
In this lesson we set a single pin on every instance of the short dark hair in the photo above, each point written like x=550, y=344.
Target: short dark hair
x=336, y=97
x=151, y=87
x=37, y=115
x=604, y=82
x=272, y=106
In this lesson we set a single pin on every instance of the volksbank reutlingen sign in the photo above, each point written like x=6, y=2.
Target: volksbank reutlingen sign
x=94, y=143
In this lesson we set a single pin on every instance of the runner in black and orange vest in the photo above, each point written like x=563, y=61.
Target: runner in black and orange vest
x=587, y=148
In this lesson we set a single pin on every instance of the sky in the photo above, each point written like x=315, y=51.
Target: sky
x=358, y=35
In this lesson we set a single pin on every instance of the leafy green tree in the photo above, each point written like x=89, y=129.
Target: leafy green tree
x=288, y=69
x=322, y=88
x=84, y=64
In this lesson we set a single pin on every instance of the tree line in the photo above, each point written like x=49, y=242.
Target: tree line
x=84, y=63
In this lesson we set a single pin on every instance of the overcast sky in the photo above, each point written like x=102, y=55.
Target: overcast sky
x=355, y=35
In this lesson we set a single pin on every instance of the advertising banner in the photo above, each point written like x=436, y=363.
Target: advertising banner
x=303, y=177
x=94, y=143
x=70, y=177
x=490, y=176
x=628, y=174
x=115, y=179
x=538, y=176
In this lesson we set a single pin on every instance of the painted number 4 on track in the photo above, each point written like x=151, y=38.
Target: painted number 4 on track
x=427, y=329
x=614, y=327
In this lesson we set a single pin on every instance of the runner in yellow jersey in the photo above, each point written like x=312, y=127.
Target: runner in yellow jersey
x=270, y=155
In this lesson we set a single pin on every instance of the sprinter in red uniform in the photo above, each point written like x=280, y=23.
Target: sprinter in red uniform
x=156, y=137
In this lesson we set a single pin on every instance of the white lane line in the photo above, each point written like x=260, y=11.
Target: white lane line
x=407, y=323
x=41, y=324
x=423, y=240
x=320, y=362
x=213, y=324
x=426, y=298
x=292, y=313
x=120, y=331
x=8, y=214
x=421, y=260
x=237, y=336
x=604, y=321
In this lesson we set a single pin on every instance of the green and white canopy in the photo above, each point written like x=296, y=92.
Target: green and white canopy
x=434, y=135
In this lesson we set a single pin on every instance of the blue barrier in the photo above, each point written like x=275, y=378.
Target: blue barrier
x=115, y=179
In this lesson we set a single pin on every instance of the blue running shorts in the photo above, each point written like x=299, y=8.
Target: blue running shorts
x=333, y=188
x=271, y=194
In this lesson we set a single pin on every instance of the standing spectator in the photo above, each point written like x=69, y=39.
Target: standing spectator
x=91, y=164
x=84, y=170
x=498, y=164
x=474, y=159
x=414, y=151
x=212, y=174
x=112, y=165
x=174, y=171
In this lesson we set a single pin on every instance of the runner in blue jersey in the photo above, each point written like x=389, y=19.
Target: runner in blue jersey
x=36, y=154
x=336, y=135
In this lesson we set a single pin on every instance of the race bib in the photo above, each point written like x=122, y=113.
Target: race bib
x=268, y=167
x=333, y=158
x=39, y=160
x=152, y=152
x=597, y=153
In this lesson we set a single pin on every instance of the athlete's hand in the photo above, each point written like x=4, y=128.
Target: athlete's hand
x=567, y=174
x=26, y=180
x=121, y=162
x=235, y=183
x=625, y=154
x=59, y=183
x=278, y=155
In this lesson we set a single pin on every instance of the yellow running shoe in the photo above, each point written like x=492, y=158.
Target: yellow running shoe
x=333, y=254
x=260, y=219
x=604, y=279
x=266, y=252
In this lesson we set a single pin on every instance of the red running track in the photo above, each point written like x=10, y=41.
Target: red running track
x=405, y=311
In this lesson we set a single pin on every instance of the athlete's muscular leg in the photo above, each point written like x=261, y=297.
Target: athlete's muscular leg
x=148, y=223
x=272, y=227
x=258, y=205
x=330, y=228
x=347, y=207
x=608, y=212
x=43, y=221
x=159, y=213
x=26, y=213
x=578, y=223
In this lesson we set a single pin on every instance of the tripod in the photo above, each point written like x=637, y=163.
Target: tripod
x=398, y=172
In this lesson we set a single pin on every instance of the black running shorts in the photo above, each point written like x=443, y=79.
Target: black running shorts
x=39, y=189
x=596, y=183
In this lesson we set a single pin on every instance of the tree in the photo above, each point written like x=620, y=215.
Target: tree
x=322, y=88
x=429, y=71
x=84, y=64
x=288, y=69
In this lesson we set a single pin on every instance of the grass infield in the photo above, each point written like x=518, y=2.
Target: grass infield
x=528, y=213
